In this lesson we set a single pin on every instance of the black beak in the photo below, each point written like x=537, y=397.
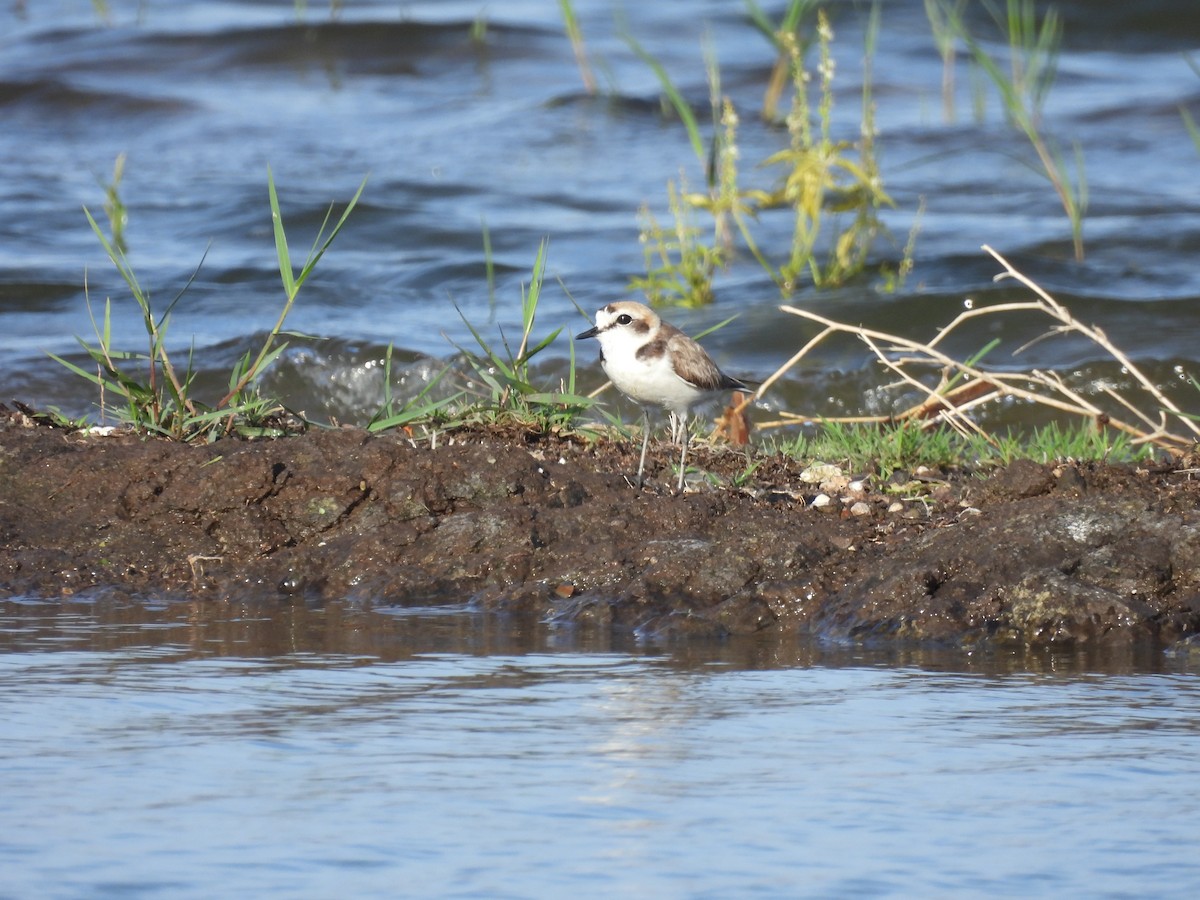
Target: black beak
x=590, y=333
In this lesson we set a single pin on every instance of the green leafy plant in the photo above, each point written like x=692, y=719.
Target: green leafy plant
x=679, y=265
x=832, y=188
x=1082, y=441
x=1192, y=127
x=823, y=175
x=301, y=8
x=154, y=393
x=676, y=100
x=883, y=448
x=479, y=27
x=422, y=409
x=114, y=206
x=509, y=390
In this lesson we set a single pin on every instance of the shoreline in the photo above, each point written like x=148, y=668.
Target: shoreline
x=519, y=522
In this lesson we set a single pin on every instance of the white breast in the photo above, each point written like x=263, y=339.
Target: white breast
x=649, y=379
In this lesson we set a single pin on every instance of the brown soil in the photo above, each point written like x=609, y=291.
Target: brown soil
x=518, y=522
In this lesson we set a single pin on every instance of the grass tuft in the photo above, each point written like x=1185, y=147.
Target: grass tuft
x=503, y=387
x=154, y=392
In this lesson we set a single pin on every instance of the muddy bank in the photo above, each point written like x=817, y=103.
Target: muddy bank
x=549, y=526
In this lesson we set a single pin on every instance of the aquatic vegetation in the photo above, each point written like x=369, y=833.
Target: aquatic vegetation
x=823, y=176
x=1033, y=46
x=782, y=36
x=1189, y=122
x=301, y=8
x=832, y=188
x=945, y=20
x=1192, y=127
x=154, y=393
x=679, y=265
x=479, y=27
x=575, y=36
x=114, y=206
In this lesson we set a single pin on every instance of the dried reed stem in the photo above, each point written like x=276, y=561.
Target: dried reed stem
x=964, y=386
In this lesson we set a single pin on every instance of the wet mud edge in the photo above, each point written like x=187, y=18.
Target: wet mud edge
x=549, y=526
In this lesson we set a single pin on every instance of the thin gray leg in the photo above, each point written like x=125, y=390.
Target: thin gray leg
x=645, y=444
x=683, y=456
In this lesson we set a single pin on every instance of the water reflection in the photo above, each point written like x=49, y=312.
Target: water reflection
x=292, y=750
x=358, y=633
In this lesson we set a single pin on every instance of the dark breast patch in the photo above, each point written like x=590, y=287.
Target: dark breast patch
x=652, y=350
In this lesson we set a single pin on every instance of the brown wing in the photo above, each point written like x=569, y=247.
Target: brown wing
x=695, y=366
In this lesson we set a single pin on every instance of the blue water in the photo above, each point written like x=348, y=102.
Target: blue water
x=324, y=753
x=261, y=750
x=456, y=133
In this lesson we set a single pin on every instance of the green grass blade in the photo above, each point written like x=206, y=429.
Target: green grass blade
x=1192, y=128
x=316, y=254
x=489, y=263
x=281, y=244
x=549, y=398
x=717, y=327
x=682, y=109
x=82, y=373
x=412, y=413
x=541, y=345
x=493, y=357
x=529, y=301
x=118, y=259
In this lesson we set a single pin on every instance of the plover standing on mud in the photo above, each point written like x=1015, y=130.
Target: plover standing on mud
x=655, y=364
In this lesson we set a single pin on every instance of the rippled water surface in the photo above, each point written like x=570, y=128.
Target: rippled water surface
x=189, y=750
x=456, y=131
x=179, y=749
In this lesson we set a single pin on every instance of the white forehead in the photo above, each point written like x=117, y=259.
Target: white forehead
x=607, y=315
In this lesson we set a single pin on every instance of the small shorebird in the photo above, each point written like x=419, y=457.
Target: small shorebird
x=656, y=364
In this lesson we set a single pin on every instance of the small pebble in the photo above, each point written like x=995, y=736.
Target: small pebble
x=820, y=472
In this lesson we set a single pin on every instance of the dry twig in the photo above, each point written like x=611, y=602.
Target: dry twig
x=963, y=386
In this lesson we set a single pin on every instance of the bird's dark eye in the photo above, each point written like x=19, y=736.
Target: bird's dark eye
x=624, y=319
